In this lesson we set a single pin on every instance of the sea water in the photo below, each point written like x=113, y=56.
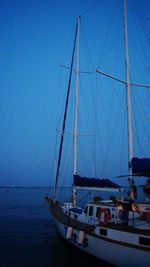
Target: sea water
x=28, y=236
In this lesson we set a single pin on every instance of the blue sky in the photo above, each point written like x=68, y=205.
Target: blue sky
x=32, y=33
x=34, y=38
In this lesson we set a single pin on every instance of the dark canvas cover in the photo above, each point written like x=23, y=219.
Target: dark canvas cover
x=141, y=166
x=93, y=182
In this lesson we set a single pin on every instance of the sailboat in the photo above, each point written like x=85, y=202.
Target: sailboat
x=116, y=229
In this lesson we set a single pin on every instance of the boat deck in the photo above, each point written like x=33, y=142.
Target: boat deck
x=89, y=228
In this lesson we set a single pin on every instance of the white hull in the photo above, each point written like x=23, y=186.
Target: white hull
x=117, y=254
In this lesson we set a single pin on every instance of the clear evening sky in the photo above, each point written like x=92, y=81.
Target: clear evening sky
x=33, y=41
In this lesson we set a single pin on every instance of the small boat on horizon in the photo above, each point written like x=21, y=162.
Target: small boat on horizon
x=146, y=187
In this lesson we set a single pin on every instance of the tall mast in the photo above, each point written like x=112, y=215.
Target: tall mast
x=76, y=108
x=128, y=94
x=64, y=117
x=76, y=97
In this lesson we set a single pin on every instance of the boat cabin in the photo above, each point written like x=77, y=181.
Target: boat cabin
x=107, y=212
x=95, y=213
x=104, y=212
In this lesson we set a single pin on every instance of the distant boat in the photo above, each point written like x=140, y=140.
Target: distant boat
x=7, y=190
x=116, y=230
x=146, y=187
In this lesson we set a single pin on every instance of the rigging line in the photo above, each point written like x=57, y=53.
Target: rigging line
x=65, y=112
x=136, y=128
x=139, y=18
x=147, y=68
x=104, y=52
x=71, y=133
x=84, y=197
x=86, y=160
x=92, y=44
x=111, y=138
x=122, y=141
x=148, y=97
x=121, y=101
x=146, y=115
x=87, y=51
x=97, y=130
x=91, y=8
x=134, y=98
x=81, y=71
x=109, y=49
x=68, y=160
x=94, y=130
x=142, y=120
x=137, y=136
x=110, y=113
x=137, y=174
x=66, y=164
x=121, y=81
x=84, y=98
x=89, y=95
x=135, y=122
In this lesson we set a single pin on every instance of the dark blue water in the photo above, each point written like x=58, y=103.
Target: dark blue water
x=28, y=236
